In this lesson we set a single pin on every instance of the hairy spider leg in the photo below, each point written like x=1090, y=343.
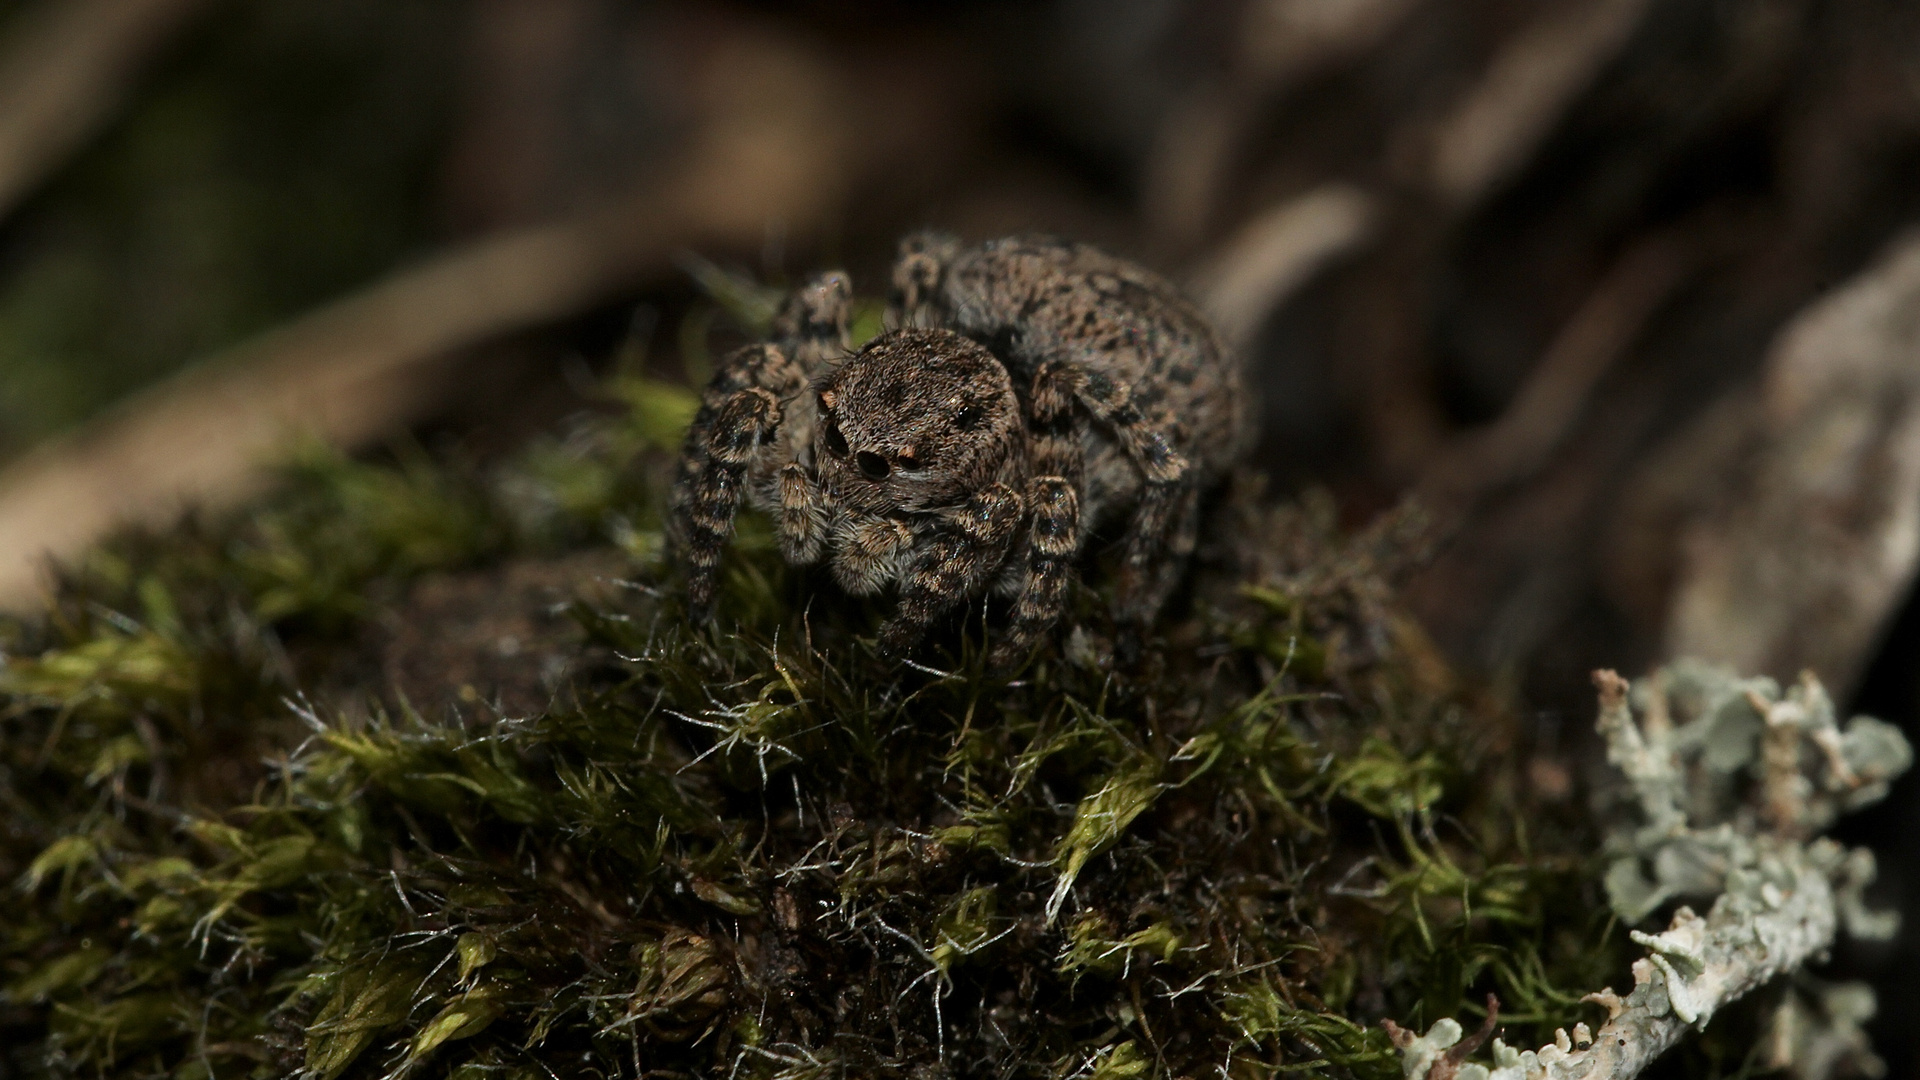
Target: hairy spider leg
x=963, y=548
x=721, y=445
x=1167, y=497
x=1145, y=588
x=918, y=267
x=802, y=521
x=1053, y=536
x=812, y=323
x=1056, y=448
x=812, y=326
x=738, y=431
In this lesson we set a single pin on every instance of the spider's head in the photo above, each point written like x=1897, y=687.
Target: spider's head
x=919, y=419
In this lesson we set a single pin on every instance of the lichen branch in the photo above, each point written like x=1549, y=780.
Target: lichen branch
x=1728, y=799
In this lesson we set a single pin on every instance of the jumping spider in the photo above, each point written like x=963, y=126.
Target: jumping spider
x=1033, y=390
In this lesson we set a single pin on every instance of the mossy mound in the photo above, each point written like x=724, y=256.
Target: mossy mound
x=415, y=767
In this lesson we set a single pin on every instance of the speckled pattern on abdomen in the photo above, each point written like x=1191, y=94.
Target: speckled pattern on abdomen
x=1077, y=303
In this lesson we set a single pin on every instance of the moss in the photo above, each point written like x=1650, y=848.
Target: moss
x=750, y=845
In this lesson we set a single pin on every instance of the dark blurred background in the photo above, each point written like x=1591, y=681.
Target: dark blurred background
x=1622, y=291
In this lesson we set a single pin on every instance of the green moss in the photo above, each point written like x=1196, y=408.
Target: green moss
x=749, y=845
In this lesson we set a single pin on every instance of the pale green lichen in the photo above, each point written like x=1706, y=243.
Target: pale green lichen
x=1731, y=780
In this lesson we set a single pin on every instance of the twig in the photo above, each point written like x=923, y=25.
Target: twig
x=1449, y=167
x=1781, y=899
x=1527, y=87
x=1440, y=1058
x=362, y=367
x=1695, y=968
x=1275, y=253
x=1279, y=45
x=64, y=68
x=1556, y=392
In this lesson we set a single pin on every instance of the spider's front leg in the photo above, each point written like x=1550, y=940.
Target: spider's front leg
x=738, y=421
x=959, y=551
x=802, y=523
x=1052, y=539
x=755, y=413
x=1056, y=428
x=812, y=327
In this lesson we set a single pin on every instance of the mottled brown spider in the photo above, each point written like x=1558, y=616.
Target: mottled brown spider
x=1032, y=391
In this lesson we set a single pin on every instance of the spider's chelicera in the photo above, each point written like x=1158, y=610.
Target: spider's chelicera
x=1033, y=390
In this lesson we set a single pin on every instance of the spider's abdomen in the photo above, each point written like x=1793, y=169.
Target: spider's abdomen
x=1035, y=299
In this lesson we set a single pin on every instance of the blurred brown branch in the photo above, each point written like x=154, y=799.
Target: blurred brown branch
x=1550, y=401
x=1255, y=270
x=776, y=147
x=1495, y=128
x=65, y=65
x=1279, y=44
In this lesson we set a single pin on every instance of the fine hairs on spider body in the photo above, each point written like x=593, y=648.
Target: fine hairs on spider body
x=1032, y=390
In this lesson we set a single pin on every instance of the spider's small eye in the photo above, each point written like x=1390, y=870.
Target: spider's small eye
x=968, y=418
x=910, y=461
x=836, y=442
x=872, y=465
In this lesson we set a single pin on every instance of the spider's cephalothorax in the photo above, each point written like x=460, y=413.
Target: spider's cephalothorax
x=1036, y=390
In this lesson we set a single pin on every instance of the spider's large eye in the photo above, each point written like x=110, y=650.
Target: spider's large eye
x=909, y=461
x=836, y=442
x=968, y=418
x=872, y=465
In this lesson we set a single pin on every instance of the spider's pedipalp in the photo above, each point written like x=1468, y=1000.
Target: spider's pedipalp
x=867, y=552
x=964, y=549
